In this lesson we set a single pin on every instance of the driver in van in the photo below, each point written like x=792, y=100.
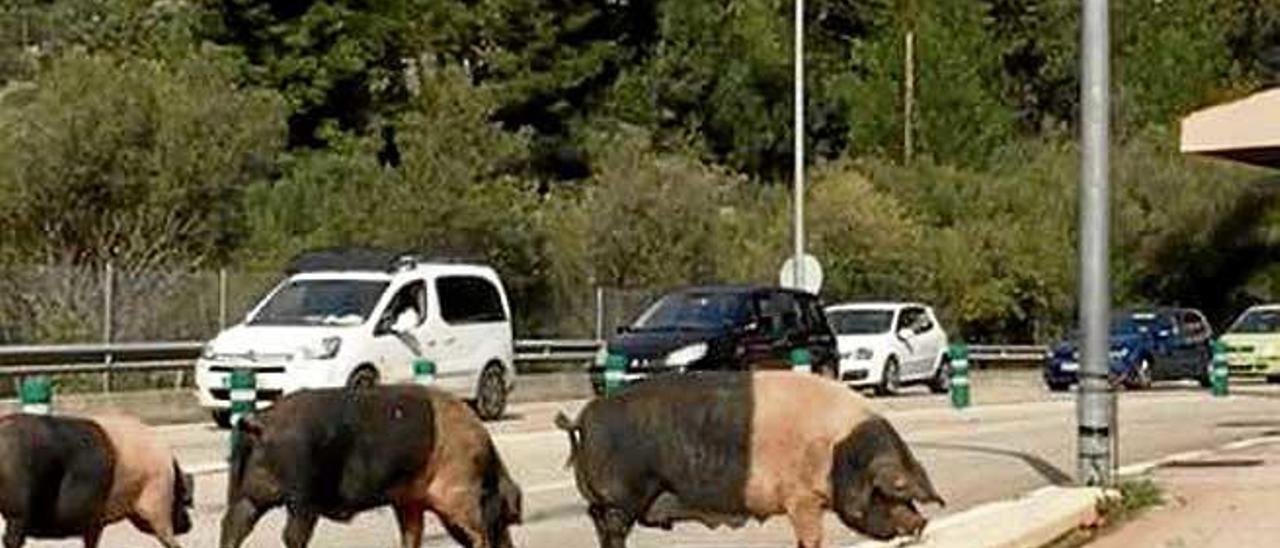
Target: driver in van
x=408, y=311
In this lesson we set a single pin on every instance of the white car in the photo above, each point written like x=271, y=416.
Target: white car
x=888, y=345
x=363, y=325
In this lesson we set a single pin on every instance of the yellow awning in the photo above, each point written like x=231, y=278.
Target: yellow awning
x=1246, y=131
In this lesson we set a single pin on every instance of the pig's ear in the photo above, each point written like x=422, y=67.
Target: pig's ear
x=905, y=483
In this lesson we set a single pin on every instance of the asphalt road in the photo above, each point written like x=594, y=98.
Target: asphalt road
x=1018, y=437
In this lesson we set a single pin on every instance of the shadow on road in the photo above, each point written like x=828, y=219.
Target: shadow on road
x=1046, y=470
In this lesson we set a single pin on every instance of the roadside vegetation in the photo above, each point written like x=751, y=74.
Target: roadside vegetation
x=1137, y=496
x=639, y=144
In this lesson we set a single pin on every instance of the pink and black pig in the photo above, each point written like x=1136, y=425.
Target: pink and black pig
x=63, y=477
x=724, y=448
x=335, y=453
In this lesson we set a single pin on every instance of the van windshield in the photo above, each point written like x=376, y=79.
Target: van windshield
x=321, y=302
x=694, y=311
x=860, y=322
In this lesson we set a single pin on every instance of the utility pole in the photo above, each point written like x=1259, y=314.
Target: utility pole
x=799, y=145
x=1095, y=403
x=909, y=98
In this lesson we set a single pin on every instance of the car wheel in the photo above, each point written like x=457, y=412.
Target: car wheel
x=830, y=370
x=491, y=393
x=941, y=381
x=890, y=383
x=1058, y=386
x=364, y=377
x=1140, y=379
x=222, y=418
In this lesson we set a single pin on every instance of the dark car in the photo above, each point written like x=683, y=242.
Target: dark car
x=726, y=328
x=1146, y=345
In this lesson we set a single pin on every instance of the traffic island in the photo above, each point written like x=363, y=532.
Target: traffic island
x=1035, y=520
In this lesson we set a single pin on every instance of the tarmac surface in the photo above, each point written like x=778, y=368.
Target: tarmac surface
x=1016, y=438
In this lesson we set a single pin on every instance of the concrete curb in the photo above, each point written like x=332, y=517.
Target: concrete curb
x=1030, y=521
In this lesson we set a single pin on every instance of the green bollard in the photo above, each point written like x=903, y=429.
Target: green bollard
x=801, y=360
x=959, y=354
x=615, y=373
x=37, y=395
x=424, y=372
x=1219, y=374
x=244, y=395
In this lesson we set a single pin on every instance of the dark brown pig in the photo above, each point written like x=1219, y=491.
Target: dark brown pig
x=72, y=476
x=722, y=448
x=338, y=452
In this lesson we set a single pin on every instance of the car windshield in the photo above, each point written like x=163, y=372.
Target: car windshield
x=1257, y=321
x=694, y=311
x=860, y=322
x=321, y=302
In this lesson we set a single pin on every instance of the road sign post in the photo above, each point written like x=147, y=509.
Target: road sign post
x=799, y=274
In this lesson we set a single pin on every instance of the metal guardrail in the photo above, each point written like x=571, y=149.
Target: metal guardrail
x=1007, y=353
x=22, y=360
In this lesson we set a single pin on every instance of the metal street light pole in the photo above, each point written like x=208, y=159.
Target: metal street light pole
x=1095, y=401
x=799, y=145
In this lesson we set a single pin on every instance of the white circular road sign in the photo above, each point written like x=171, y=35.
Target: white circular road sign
x=812, y=274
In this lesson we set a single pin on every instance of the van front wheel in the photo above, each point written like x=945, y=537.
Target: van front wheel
x=364, y=377
x=491, y=393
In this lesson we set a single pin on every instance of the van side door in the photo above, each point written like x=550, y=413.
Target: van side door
x=473, y=329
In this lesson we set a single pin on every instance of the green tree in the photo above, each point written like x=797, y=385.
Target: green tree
x=338, y=63
x=141, y=161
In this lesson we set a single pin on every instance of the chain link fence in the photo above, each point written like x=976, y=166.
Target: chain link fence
x=64, y=304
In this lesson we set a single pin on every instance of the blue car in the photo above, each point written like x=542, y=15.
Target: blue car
x=1146, y=345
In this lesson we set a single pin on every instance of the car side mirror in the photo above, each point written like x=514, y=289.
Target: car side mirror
x=906, y=333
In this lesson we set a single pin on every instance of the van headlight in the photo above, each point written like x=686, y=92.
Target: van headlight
x=686, y=355
x=328, y=348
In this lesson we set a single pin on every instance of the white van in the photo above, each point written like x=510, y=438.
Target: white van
x=345, y=325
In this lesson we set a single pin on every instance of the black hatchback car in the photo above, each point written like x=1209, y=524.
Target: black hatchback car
x=722, y=328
